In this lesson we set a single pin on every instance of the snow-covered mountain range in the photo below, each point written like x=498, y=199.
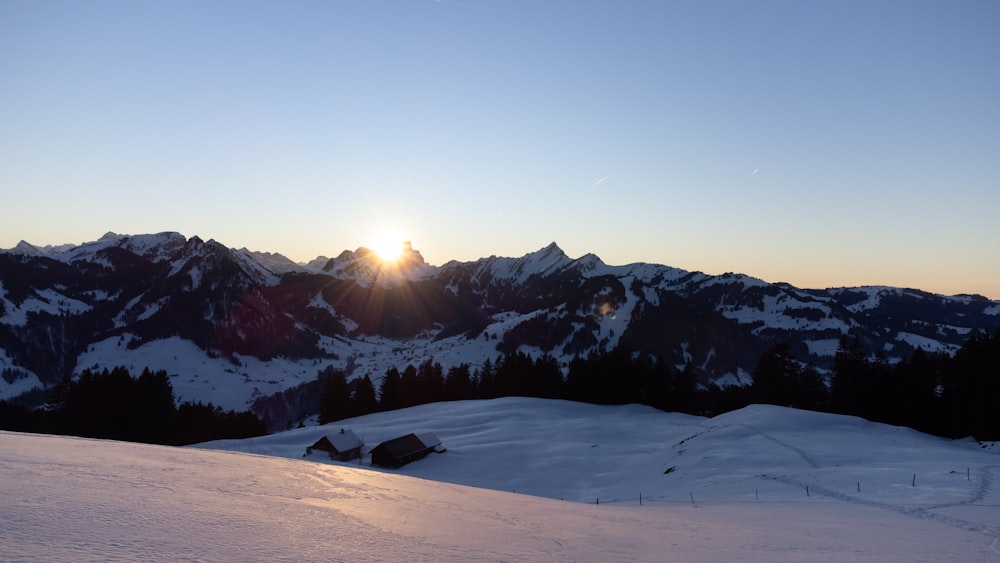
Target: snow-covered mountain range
x=234, y=325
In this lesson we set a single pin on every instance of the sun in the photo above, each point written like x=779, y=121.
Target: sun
x=388, y=246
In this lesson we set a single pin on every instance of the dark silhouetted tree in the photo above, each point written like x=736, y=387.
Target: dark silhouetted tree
x=197, y=422
x=155, y=407
x=486, y=380
x=848, y=387
x=390, y=391
x=335, y=401
x=458, y=383
x=774, y=379
x=364, y=396
x=549, y=377
x=972, y=388
x=409, y=385
x=430, y=382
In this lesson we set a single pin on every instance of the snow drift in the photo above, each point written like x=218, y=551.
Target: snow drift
x=736, y=491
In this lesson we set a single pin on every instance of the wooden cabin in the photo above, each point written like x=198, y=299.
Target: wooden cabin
x=398, y=452
x=342, y=446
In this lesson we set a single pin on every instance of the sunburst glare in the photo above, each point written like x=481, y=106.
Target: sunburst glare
x=388, y=246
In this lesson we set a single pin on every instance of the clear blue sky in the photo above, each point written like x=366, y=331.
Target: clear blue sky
x=819, y=143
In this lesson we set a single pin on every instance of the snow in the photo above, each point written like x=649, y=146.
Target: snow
x=738, y=379
x=875, y=293
x=274, y=262
x=319, y=303
x=197, y=376
x=44, y=300
x=518, y=270
x=368, y=270
x=648, y=272
x=121, y=320
x=259, y=271
x=735, y=490
x=731, y=278
x=873, y=299
x=26, y=380
x=25, y=248
x=153, y=308
x=963, y=330
x=372, y=355
x=154, y=247
x=195, y=273
x=823, y=347
x=928, y=344
x=773, y=315
x=344, y=440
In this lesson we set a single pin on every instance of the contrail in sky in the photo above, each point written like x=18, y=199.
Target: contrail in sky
x=463, y=5
x=599, y=182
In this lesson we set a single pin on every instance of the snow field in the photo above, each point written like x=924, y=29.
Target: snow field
x=746, y=472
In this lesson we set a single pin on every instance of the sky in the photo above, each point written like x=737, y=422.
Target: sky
x=823, y=144
x=736, y=491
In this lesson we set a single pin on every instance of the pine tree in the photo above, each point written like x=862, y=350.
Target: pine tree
x=973, y=385
x=154, y=401
x=485, y=377
x=458, y=383
x=430, y=382
x=364, y=396
x=847, y=385
x=335, y=401
x=390, y=391
x=776, y=377
x=409, y=387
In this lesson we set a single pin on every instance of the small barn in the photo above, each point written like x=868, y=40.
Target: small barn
x=400, y=451
x=342, y=446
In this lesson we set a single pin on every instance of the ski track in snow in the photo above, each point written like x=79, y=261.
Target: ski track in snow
x=808, y=458
x=983, y=488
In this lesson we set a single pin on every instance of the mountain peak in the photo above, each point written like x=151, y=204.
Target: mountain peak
x=551, y=249
x=589, y=262
x=26, y=248
x=366, y=267
x=548, y=257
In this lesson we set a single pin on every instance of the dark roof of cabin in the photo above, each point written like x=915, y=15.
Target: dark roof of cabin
x=403, y=446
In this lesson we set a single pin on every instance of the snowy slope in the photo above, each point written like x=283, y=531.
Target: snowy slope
x=516, y=270
x=582, y=452
x=736, y=492
x=154, y=247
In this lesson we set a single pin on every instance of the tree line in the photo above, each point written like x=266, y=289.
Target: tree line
x=111, y=404
x=952, y=396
